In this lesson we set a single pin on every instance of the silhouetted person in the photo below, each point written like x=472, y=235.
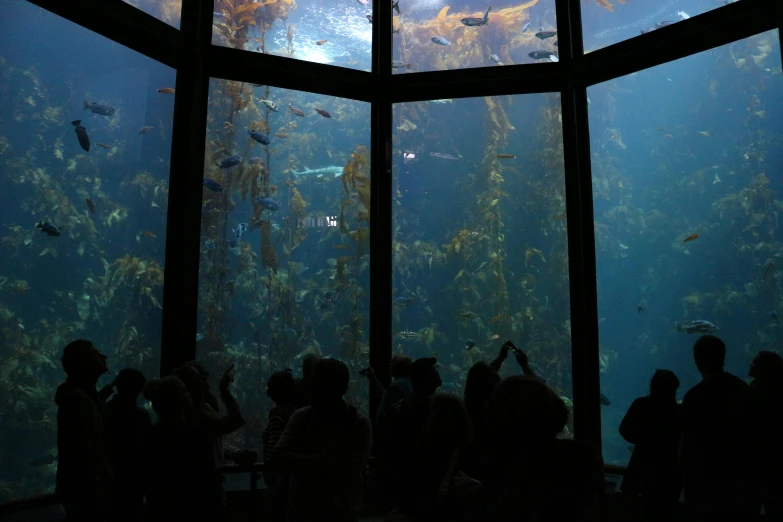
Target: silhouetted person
x=440, y=489
x=181, y=481
x=717, y=451
x=479, y=385
x=325, y=448
x=281, y=388
x=127, y=426
x=766, y=370
x=654, y=425
x=403, y=440
x=83, y=472
x=303, y=385
x=399, y=388
x=535, y=475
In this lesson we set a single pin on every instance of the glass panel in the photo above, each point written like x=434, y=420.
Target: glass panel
x=432, y=35
x=102, y=277
x=686, y=189
x=168, y=11
x=608, y=22
x=285, y=240
x=480, y=240
x=334, y=33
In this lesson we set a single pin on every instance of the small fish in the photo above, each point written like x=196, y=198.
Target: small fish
x=149, y=234
x=103, y=145
x=323, y=113
x=683, y=15
x=90, y=205
x=554, y=58
x=704, y=133
x=690, y=238
x=145, y=129
x=296, y=111
x=240, y=229
x=604, y=399
x=48, y=228
x=663, y=23
x=716, y=180
x=364, y=2
x=541, y=55
x=506, y=156
x=369, y=17
x=199, y=337
x=260, y=137
x=768, y=268
x=641, y=306
x=268, y=203
x=470, y=343
x=698, y=326
x=494, y=337
x=272, y=105
x=440, y=40
x=166, y=90
x=474, y=22
x=526, y=27
x=495, y=58
x=399, y=64
x=404, y=301
x=396, y=5
x=231, y=161
x=543, y=35
x=321, y=42
x=81, y=134
x=213, y=185
x=97, y=108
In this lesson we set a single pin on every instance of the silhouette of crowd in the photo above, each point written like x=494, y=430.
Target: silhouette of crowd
x=502, y=454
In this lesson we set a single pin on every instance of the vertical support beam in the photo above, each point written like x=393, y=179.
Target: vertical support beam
x=581, y=234
x=381, y=201
x=183, y=228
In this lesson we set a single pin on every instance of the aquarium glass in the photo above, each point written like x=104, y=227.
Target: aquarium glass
x=607, y=22
x=102, y=277
x=284, y=240
x=334, y=32
x=168, y=11
x=435, y=35
x=479, y=235
x=688, y=199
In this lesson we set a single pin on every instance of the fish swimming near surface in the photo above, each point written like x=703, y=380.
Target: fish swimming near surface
x=495, y=58
x=260, y=137
x=231, y=161
x=272, y=105
x=396, y=5
x=166, y=90
x=553, y=58
x=321, y=42
x=541, y=55
x=296, y=111
x=690, y=238
x=543, y=35
x=90, y=205
x=213, y=185
x=268, y=203
x=399, y=64
x=48, y=228
x=240, y=229
x=526, y=27
x=335, y=170
x=683, y=15
x=369, y=17
x=104, y=146
x=145, y=129
x=323, y=113
x=440, y=40
x=472, y=21
x=81, y=134
x=97, y=108
x=641, y=306
x=506, y=156
x=697, y=326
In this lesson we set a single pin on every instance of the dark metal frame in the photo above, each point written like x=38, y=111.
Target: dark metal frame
x=189, y=50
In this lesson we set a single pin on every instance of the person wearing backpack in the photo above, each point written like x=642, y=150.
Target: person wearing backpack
x=324, y=449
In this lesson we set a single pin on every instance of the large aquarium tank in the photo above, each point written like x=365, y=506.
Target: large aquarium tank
x=85, y=139
x=285, y=253
x=688, y=202
x=480, y=243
